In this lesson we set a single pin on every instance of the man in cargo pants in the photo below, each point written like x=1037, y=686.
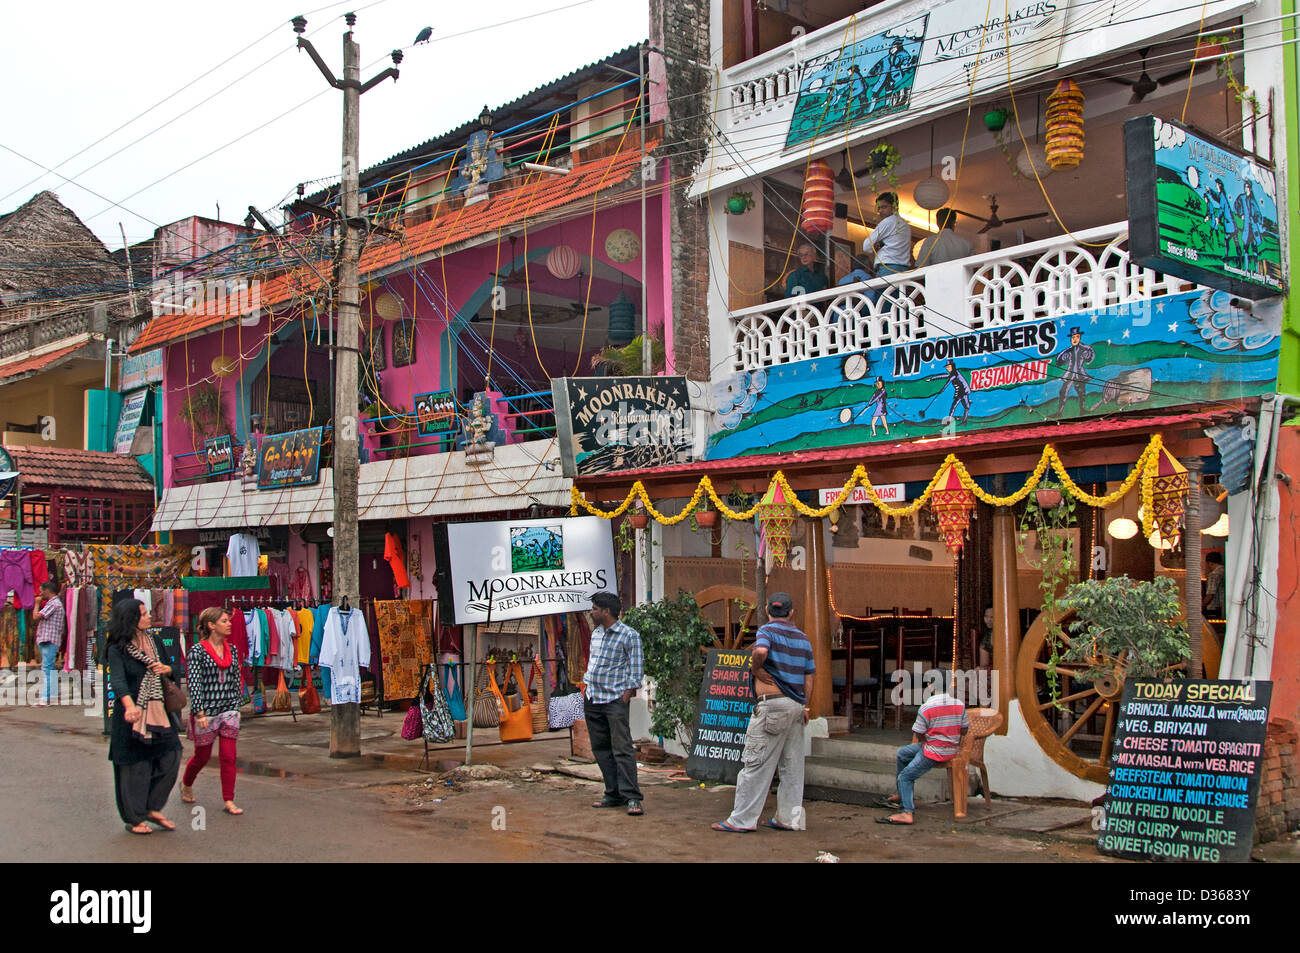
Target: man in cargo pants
x=783, y=674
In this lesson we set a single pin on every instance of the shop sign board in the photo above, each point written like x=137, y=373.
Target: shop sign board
x=726, y=700
x=1175, y=350
x=888, y=493
x=435, y=413
x=289, y=459
x=140, y=370
x=1185, y=770
x=606, y=424
x=220, y=455
x=1201, y=210
x=517, y=569
x=128, y=420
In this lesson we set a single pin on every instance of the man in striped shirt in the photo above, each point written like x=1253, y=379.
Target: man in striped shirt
x=614, y=675
x=783, y=672
x=937, y=734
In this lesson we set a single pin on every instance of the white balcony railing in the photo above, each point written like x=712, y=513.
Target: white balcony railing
x=1045, y=279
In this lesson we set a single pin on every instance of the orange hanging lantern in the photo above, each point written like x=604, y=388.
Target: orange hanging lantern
x=817, y=215
x=776, y=517
x=1168, y=494
x=952, y=504
x=1065, y=126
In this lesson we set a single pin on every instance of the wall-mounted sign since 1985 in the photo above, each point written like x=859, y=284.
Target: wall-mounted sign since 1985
x=520, y=569
x=1201, y=210
x=606, y=424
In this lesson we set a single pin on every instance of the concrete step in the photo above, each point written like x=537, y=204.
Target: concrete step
x=859, y=781
x=852, y=749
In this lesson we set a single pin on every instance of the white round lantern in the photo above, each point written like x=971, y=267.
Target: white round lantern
x=1031, y=160
x=931, y=193
x=1122, y=528
x=563, y=262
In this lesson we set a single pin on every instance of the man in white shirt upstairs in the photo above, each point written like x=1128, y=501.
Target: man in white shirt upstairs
x=947, y=245
x=889, y=246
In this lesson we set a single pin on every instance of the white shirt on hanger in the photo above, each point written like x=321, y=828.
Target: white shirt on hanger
x=243, y=552
x=345, y=650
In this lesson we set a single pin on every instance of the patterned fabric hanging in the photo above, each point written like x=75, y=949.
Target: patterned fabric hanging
x=818, y=212
x=1168, y=495
x=1065, y=126
x=776, y=517
x=952, y=504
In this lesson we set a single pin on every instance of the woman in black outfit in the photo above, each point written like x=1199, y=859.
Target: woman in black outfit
x=143, y=746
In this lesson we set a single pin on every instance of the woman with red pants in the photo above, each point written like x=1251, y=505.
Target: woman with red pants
x=216, y=689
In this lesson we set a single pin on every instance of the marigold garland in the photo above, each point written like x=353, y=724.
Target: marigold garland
x=1143, y=474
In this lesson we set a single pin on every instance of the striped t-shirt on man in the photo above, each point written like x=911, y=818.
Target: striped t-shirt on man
x=940, y=722
x=789, y=657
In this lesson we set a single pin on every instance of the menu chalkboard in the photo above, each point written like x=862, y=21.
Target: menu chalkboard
x=726, y=699
x=1185, y=770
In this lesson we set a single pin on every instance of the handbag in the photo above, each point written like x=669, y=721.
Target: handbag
x=435, y=716
x=515, y=725
x=487, y=711
x=537, y=706
x=455, y=698
x=563, y=710
x=308, y=699
x=173, y=695
x=280, y=700
x=411, y=724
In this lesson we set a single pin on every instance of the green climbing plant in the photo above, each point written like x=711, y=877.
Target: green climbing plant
x=673, y=636
x=1127, y=628
x=1057, y=561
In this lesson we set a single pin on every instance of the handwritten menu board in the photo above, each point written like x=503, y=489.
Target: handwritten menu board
x=1185, y=770
x=726, y=699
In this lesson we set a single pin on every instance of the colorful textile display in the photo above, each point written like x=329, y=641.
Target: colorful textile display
x=405, y=645
x=135, y=567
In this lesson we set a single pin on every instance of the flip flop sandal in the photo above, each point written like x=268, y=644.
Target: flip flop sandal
x=886, y=802
x=136, y=829
x=188, y=800
x=890, y=820
x=236, y=812
x=771, y=823
x=724, y=826
x=163, y=824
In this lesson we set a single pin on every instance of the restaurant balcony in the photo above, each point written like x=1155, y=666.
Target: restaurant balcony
x=1052, y=278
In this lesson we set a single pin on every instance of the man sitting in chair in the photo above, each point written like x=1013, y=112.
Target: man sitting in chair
x=937, y=735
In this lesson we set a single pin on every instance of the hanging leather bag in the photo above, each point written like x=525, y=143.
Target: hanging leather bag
x=308, y=698
x=515, y=725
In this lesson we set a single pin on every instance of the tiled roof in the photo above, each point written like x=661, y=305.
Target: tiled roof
x=899, y=452
x=79, y=469
x=27, y=366
x=545, y=193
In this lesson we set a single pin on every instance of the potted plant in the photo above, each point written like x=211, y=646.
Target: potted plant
x=202, y=411
x=1125, y=628
x=706, y=517
x=996, y=117
x=1050, y=525
x=640, y=518
x=884, y=157
x=1048, y=496
x=673, y=637
x=738, y=203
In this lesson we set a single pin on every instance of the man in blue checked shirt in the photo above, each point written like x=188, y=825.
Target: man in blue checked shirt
x=612, y=680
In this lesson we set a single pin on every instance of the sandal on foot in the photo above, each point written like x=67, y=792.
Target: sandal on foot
x=233, y=810
x=890, y=820
x=724, y=826
x=142, y=828
x=889, y=803
x=773, y=825
x=187, y=798
x=162, y=822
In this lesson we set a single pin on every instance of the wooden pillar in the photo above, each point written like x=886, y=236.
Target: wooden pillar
x=817, y=620
x=1006, y=609
x=1192, y=563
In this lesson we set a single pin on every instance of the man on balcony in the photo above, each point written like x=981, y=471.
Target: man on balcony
x=808, y=277
x=889, y=246
x=947, y=245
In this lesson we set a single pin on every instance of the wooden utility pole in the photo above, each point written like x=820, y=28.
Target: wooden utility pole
x=345, y=720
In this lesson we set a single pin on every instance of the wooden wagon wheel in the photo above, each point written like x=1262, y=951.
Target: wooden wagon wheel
x=729, y=596
x=1079, y=737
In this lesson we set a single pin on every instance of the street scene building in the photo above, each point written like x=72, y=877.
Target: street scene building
x=932, y=369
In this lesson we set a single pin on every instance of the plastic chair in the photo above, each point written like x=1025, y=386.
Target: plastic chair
x=983, y=722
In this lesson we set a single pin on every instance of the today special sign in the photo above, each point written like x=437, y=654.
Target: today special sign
x=519, y=569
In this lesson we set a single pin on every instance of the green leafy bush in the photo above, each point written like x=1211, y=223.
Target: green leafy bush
x=1122, y=616
x=673, y=634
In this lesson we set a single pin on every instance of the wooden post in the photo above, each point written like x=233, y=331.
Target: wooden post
x=817, y=620
x=1192, y=564
x=1006, y=609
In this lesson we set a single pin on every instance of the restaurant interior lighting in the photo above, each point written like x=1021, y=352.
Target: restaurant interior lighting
x=1218, y=528
x=1122, y=528
x=1164, y=543
x=931, y=193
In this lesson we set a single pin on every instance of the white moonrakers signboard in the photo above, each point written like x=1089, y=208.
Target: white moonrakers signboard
x=969, y=43
x=519, y=569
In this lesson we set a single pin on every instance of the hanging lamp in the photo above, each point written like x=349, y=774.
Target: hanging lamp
x=817, y=214
x=776, y=519
x=952, y=504
x=933, y=192
x=1065, y=125
x=1168, y=494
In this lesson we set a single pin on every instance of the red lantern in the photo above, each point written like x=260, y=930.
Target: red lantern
x=952, y=504
x=818, y=212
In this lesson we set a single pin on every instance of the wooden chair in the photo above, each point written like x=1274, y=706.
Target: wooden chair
x=983, y=722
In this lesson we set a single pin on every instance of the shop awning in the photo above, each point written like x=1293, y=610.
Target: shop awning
x=439, y=485
x=991, y=451
x=26, y=367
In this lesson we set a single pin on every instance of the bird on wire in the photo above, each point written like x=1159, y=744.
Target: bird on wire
x=423, y=36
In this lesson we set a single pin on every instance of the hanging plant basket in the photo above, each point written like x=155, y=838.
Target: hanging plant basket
x=640, y=520
x=996, y=118
x=707, y=518
x=738, y=203
x=884, y=157
x=1048, y=498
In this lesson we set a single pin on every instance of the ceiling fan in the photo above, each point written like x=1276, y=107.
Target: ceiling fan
x=844, y=178
x=1144, y=85
x=993, y=221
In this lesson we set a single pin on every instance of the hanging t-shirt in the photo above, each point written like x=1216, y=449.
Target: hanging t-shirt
x=345, y=649
x=396, y=559
x=243, y=553
x=306, y=623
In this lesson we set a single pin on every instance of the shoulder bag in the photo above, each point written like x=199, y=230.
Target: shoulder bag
x=308, y=698
x=435, y=716
x=537, y=705
x=411, y=724
x=455, y=698
x=515, y=725
x=174, y=699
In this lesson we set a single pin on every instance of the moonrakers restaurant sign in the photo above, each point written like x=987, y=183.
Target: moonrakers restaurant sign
x=605, y=424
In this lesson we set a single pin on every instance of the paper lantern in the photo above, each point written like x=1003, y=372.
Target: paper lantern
x=1168, y=494
x=1031, y=160
x=952, y=504
x=776, y=517
x=1218, y=528
x=388, y=307
x=622, y=320
x=1065, y=126
x=224, y=366
x=818, y=212
x=563, y=262
x=931, y=193
x=1122, y=528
